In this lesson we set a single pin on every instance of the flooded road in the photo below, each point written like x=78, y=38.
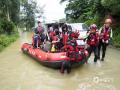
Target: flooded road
x=20, y=72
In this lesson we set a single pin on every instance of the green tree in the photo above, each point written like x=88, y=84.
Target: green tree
x=83, y=10
x=28, y=13
x=10, y=10
x=9, y=15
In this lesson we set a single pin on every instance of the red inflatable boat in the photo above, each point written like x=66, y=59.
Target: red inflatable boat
x=57, y=60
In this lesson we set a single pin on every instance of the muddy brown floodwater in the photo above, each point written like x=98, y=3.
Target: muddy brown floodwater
x=20, y=72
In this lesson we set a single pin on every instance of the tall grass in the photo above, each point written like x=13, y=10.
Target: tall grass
x=6, y=40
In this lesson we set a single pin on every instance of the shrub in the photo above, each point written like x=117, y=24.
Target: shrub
x=5, y=40
x=7, y=26
x=116, y=36
x=1, y=48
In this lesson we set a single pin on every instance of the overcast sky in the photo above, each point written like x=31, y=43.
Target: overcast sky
x=53, y=10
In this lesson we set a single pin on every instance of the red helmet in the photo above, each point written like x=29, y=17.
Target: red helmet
x=108, y=21
x=93, y=26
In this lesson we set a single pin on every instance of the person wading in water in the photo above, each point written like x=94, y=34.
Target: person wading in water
x=105, y=37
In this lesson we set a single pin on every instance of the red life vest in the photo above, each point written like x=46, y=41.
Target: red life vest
x=65, y=38
x=51, y=34
x=105, y=34
x=68, y=48
x=72, y=35
x=75, y=34
x=93, y=39
x=54, y=38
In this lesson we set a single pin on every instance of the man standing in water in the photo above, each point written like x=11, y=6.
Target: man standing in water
x=92, y=41
x=105, y=37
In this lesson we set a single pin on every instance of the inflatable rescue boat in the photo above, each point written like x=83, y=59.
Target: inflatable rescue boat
x=58, y=60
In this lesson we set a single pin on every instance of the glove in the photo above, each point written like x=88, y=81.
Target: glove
x=106, y=41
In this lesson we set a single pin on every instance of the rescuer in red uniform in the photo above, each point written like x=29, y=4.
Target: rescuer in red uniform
x=105, y=37
x=92, y=41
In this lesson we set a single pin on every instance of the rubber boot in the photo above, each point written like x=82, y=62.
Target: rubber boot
x=95, y=59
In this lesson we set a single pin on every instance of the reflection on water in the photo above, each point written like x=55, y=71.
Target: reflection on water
x=25, y=37
x=20, y=72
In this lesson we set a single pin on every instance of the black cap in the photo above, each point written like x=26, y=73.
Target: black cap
x=39, y=22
